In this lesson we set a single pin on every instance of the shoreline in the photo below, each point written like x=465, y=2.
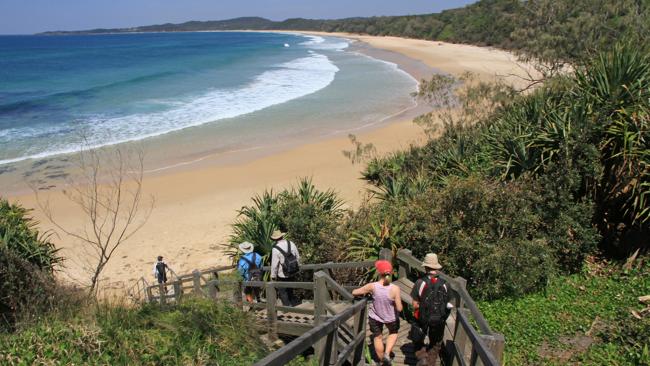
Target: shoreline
x=196, y=202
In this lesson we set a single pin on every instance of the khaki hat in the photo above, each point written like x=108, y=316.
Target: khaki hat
x=277, y=235
x=246, y=247
x=431, y=261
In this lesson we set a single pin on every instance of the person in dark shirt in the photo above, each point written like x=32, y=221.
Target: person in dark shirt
x=428, y=282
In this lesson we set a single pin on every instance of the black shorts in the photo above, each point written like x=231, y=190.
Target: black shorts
x=250, y=290
x=377, y=327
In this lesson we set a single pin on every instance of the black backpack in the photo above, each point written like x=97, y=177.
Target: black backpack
x=254, y=272
x=290, y=267
x=160, y=268
x=433, y=303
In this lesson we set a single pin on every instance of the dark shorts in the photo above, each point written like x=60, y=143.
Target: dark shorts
x=250, y=290
x=377, y=327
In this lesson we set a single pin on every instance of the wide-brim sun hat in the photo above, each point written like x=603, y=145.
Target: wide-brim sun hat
x=431, y=261
x=383, y=267
x=277, y=235
x=246, y=247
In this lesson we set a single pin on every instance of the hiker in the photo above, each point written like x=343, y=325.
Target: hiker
x=284, y=266
x=250, y=268
x=384, y=310
x=160, y=271
x=431, y=304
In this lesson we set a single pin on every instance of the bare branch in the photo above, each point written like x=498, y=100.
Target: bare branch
x=109, y=193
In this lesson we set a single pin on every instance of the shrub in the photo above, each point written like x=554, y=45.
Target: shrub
x=307, y=214
x=18, y=234
x=25, y=290
x=197, y=331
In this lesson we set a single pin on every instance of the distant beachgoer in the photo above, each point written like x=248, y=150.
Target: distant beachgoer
x=285, y=260
x=384, y=310
x=250, y=268
x=160, y=271
x=431, y=303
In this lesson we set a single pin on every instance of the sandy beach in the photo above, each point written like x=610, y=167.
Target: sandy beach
x=195, y=203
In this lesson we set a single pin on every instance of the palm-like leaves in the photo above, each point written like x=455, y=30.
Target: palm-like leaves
x=367, y=245
x=19, y=234
x=256, y=223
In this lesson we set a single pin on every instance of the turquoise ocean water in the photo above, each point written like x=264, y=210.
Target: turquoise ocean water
x=208, y=90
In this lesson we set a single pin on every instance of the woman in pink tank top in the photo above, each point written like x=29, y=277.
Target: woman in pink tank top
x=384, y=310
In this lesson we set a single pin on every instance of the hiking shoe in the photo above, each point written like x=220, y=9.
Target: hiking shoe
x=386, y=361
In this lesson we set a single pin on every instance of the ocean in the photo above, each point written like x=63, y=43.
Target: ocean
x=208, y=91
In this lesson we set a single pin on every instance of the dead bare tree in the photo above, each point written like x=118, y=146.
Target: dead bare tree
x=107, y=187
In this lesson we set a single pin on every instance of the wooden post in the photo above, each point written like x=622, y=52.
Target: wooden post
x=196, y=275
x=386, y=254
x=212, y=290
x=321, y=298
x=462, y=283
x=237, y=294
x=460, y=335
x=329, y=351
x=360, y=328
x=178, y=291
x=162, y=293
x=149, y=294
x=496, y=343
x=271, y=313
x=474, y=356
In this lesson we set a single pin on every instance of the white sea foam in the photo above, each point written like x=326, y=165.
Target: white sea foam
x=281, y=84
x=320, y=43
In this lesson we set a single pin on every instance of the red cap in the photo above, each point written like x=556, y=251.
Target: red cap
x=383, y=267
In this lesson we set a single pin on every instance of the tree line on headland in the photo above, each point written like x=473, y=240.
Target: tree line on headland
x=536, y=197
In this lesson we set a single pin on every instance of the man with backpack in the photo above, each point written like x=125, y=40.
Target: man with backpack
x=431, y=304
x=250, y=268
x=285, y=266
x=160, y=271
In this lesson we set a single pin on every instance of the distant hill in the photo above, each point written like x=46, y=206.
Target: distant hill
x=508, y=24
x=191, y=26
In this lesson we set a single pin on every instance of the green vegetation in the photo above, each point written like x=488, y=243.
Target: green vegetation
x=551, y=31
x=305, y=213
x=196, y=332
x=583, y=318
x=516, y=193
x=18, y=233
x=27, y=260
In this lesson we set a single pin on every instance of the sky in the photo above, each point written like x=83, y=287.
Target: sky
x=32, y=16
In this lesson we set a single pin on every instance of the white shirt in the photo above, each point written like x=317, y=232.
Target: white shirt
x=277, y=259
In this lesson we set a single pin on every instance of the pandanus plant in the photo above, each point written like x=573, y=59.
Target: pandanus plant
x=616, y=88
x=19, y=235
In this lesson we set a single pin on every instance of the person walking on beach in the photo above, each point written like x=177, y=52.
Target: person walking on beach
x=285, y=260
x=384, y=310
x=431, y=304
x=160, y=271
x=250, y=268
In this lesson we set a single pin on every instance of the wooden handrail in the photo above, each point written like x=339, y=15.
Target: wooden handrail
x=292, y=350
x=330, y=265
x=479, y=348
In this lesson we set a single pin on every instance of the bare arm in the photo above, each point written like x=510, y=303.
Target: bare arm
x=398, y=299
x=361, y=291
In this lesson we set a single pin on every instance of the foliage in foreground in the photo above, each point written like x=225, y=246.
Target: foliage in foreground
x=27, y=260
x=593, y=308
x=196, y=332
